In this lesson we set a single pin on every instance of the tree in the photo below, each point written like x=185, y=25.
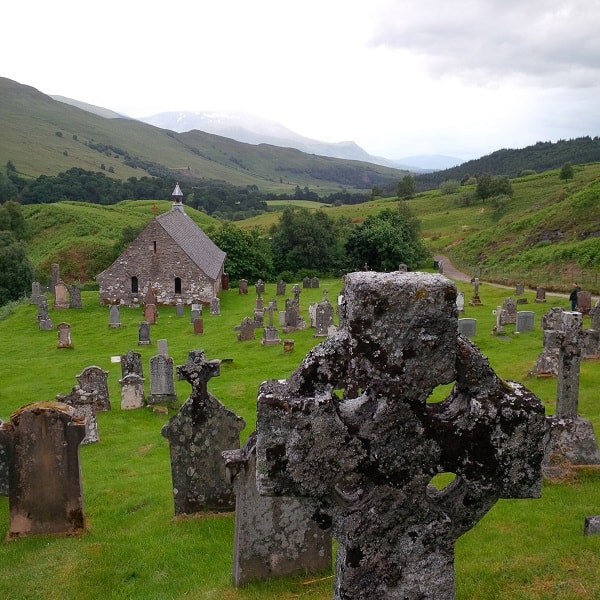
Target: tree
x=303, y=240
x=16, y=272
x=567, y=172
x=248, y=252
x=489, y=186
x=385, y=240
x=406, y=187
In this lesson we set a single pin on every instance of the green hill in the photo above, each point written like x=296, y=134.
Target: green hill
x=42, y=136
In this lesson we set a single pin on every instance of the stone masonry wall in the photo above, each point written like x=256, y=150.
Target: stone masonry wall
x=155, y=267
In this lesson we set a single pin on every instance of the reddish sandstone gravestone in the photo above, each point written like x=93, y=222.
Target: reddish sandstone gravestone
x=45, y=493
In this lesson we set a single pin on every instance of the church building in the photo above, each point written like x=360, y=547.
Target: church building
x=172, y=257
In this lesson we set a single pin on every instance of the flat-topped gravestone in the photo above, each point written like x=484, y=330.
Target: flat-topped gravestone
x=179, y=309
x=467, y=327
x=365, y=457
x=273, y=536
x=45, y=492
x=162, y=382
x=525, y=320
x=95, y=379
x=198, y=434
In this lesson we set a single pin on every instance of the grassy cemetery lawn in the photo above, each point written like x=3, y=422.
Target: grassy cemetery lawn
x=135, y=548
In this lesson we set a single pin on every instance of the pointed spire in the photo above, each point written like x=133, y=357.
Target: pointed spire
x=177, y=196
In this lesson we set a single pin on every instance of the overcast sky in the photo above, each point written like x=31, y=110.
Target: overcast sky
x=399, y=77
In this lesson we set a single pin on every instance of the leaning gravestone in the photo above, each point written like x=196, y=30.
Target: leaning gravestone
x=45, y=494
x=570, y=439
x=365, y=459
x=273, y=536
x=93, y=379
x=197, y=434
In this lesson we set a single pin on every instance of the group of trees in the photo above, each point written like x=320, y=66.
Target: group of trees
x=305, y=242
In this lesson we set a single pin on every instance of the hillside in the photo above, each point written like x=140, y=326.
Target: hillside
x=548, y=234
x=41, y=135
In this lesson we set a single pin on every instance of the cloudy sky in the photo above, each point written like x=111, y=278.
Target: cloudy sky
x=399, y=77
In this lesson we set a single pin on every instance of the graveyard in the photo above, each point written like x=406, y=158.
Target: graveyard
x=137, y=544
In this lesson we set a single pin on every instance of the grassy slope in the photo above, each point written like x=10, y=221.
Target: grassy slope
x=30, y=122
x=527, y=549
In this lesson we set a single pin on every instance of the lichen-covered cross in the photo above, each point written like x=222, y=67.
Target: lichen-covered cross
x=352, y=432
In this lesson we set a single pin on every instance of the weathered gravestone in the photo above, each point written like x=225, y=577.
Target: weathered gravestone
x=61, y=295
x=508, y=313
x=44, y=321
x=54, y=276
x=540, y=294
x=546, y=364
x=584, y=302
x=460, y=302
x=215, y=306
x=592, y=525
x=75, y=297
x=306, y=282
x=323, y=317
x=35, y=292
x=273, y=536
x=246, y=330
x=64, y=336
x=45, y=494
x=198, y=326
x=114, y=316
x=281, y=287
x=570, y=439
x=3, y=465
x=243, y=286
x=519, y=289
x=83, y=403
x=592, y=343
x=260, y=287
x=366, y=459
x=198, y=434
x=179, y=309
x=475, y=300
x=132, y=391
x=131, y=363
x=162, y=347
x=314, y=282
x=93, y=379
x=270, y=333
x=162, y=382
x=195, y=312
x=150, y=314
x=525, y=321
x=144, y=334
x=467, y=327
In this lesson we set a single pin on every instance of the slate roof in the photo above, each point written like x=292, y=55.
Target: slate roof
x=193, y=241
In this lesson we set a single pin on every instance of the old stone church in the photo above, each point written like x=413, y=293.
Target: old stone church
x=173, y=257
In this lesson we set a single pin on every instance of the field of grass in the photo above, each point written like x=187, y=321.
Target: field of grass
x=135, y=549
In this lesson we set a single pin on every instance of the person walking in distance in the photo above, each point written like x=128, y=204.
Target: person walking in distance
x=573, y=296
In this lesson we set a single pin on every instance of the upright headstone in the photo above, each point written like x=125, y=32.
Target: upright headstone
x=306, y=282
x=281, y=287
x=271, y=333
x=243, y=286
x=364, y=461
x=592, y=345
x=215, y=306
x=44, y=321
x=114, y=316
x=144, y=334
x=540, y=294
x=246, y=330
x=324, y=317
x=83, y=404
x=259, y=317
x=150, y=314
x=54, y=276
x=508, y=315
x=35, y=292
x=525, y=320
x=162, y=382
x=64, y=336
x=131, y=363
x=467, y=327
x=312, y=314
x=4, y=460
x=198, y=326
x=132, y=391
x=546, y=364
x=150, y=297
x=260, y=287
x=498, y=327
x=61, y=295
x=225, y=282
x=45, y=492
x=273, y=536
x=314, y=282
x=570, y=438
x=198, y=434
x=519, y=289
x=475, y=300
x=460, y=303
x=75, y=296
x=179, y=309
x=95, y=379
x=584, y=302
x=162, y=347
